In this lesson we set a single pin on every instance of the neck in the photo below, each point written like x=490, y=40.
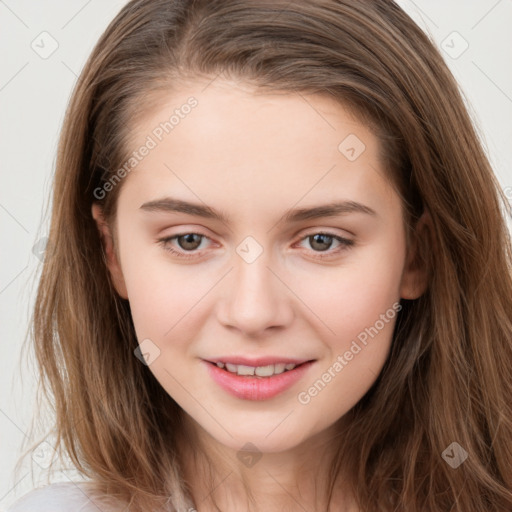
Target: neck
x=221, y=478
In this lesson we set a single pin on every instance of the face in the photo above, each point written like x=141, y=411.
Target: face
x=260, y=230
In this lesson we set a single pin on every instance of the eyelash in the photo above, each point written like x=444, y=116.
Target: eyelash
x=345, y=244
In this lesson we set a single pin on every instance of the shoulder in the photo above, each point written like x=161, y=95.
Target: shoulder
x=58, y=497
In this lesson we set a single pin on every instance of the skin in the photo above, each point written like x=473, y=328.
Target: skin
x=253, y=156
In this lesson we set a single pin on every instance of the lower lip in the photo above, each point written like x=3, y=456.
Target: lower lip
x=256, y=388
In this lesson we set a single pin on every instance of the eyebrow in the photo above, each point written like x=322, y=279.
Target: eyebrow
x=172, y=205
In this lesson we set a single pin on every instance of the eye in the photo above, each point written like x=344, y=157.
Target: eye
x=188, y=242
x=322, y=242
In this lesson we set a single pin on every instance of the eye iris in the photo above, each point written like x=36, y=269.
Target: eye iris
x=189, y=239
x=322, y=245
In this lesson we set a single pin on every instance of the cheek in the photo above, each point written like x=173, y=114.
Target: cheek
x=361, y=307
x=160, y=292
x=164, y=304
x=352, y=296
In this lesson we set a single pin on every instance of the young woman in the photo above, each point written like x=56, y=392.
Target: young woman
x=280, y=273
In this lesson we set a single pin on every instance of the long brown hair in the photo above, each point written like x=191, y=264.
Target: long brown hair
x=447, y=378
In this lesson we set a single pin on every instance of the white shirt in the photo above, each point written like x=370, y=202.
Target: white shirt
x=58, y=497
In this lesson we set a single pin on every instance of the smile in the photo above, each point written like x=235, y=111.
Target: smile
x=256, y=382
x=260, y=371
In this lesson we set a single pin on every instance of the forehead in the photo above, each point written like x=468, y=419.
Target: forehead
x=239, y=142
x=255, y=118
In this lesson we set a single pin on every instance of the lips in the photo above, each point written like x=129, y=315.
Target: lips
x=257, y=387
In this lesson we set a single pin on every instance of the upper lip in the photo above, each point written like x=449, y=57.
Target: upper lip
x=257, y=361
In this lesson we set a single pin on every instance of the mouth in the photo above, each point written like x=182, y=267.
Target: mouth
x=257, y=382
x=260, y=371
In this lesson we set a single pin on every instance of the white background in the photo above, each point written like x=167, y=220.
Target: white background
x=34, y=93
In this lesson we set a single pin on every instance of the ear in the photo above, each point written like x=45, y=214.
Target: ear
x=415, y=274
x=112, y=261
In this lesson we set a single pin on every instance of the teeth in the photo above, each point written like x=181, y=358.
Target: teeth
x=264, y=371
x=245, y=370
x=260, y=371
x=279, y=368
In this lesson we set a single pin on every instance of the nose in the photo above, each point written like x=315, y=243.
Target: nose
x=255, y=298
